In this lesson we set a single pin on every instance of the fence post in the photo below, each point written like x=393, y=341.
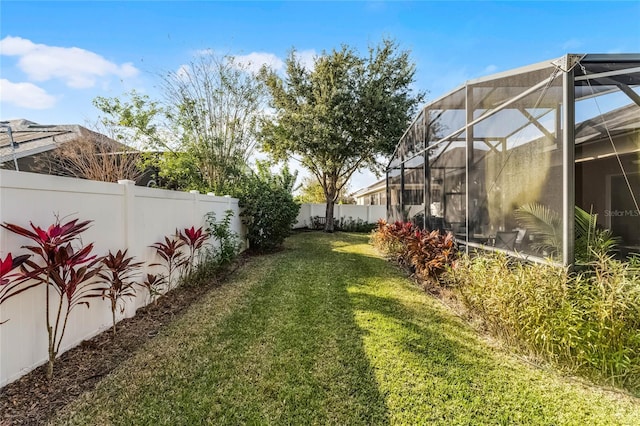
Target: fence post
x=195, y=213
x=129, y=211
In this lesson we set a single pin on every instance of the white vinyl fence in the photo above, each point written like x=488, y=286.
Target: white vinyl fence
x=124, y=217
x=369, y=214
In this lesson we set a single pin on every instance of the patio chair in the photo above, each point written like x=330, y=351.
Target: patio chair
x=506, y=239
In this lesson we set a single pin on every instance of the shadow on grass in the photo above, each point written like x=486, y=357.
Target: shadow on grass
x=293, y=353
x=420, y=328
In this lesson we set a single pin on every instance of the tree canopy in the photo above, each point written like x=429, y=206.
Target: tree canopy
x=339, y=116
x=205, y=125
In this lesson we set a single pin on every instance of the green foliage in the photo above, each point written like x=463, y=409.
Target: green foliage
x=269, y=210
x=216, y=103
x=174, y=170
x=212, y=258
x=545, y=224
x=348, y=224
x=326, y=333
x=584, y=322
x=339, y=116
x=204, y=130
x=592, y=242
x=228, y=242
x=312, y=192
x=133, y=117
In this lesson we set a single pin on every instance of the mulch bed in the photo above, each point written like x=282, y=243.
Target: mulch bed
x=34, y=400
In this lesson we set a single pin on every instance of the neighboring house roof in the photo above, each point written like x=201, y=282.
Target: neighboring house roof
x=32, y=138
x=381, y=185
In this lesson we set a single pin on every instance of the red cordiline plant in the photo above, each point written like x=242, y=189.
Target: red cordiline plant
x=194, y=239
x=153, y=283
x=10, y=283
x=64, y=270
x=119, y=273
x=174, y=259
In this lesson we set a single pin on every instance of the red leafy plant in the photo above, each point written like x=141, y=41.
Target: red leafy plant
x=67, y=271
x=10, y=283
x=172, y=255
x=194, y=239
x=430, y=252
x=118, y=273
x=425, y=253
x=391, y=238
x=153, y=283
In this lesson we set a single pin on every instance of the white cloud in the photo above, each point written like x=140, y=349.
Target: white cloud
x=183, y=72
x=306, y=58
x=255, y=60
x=490, y=69
x=78, y=68
x=25, y=95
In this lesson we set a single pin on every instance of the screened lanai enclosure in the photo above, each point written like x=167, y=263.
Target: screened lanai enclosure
x=503, y=160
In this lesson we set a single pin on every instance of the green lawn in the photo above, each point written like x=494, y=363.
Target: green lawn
x=326, y=332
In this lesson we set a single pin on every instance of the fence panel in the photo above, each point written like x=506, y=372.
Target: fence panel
x=124, y=217
x=369, y=214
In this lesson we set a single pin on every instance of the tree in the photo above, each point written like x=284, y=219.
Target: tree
x=95, y=157
x=338, y=117
x=205, y=124
x=216, y=104
x=312, y=192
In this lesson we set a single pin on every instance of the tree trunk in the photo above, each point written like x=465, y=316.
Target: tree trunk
x=328, y=226
x=113, y=316
x=52, y=359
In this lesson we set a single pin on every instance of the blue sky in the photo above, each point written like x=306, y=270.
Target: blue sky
x=57, y=56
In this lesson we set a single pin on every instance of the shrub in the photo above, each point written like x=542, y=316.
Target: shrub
x=213, y=258
x=174, y=259
x=64, y=269
x=10, y=281
x=425, y=253
x=354, y=225
x=587, y=322
x=118, y=273
x=194, y=240
x=430, y=252
x=153, y=283
x=269, y=211
x=388, y=237
x=229, y=244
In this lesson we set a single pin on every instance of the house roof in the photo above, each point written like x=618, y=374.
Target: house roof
x=373, y=188
x=32, y=138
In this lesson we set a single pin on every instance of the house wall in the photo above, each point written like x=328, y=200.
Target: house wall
x=124, y=217
x=370, y=214
x=372, y=198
